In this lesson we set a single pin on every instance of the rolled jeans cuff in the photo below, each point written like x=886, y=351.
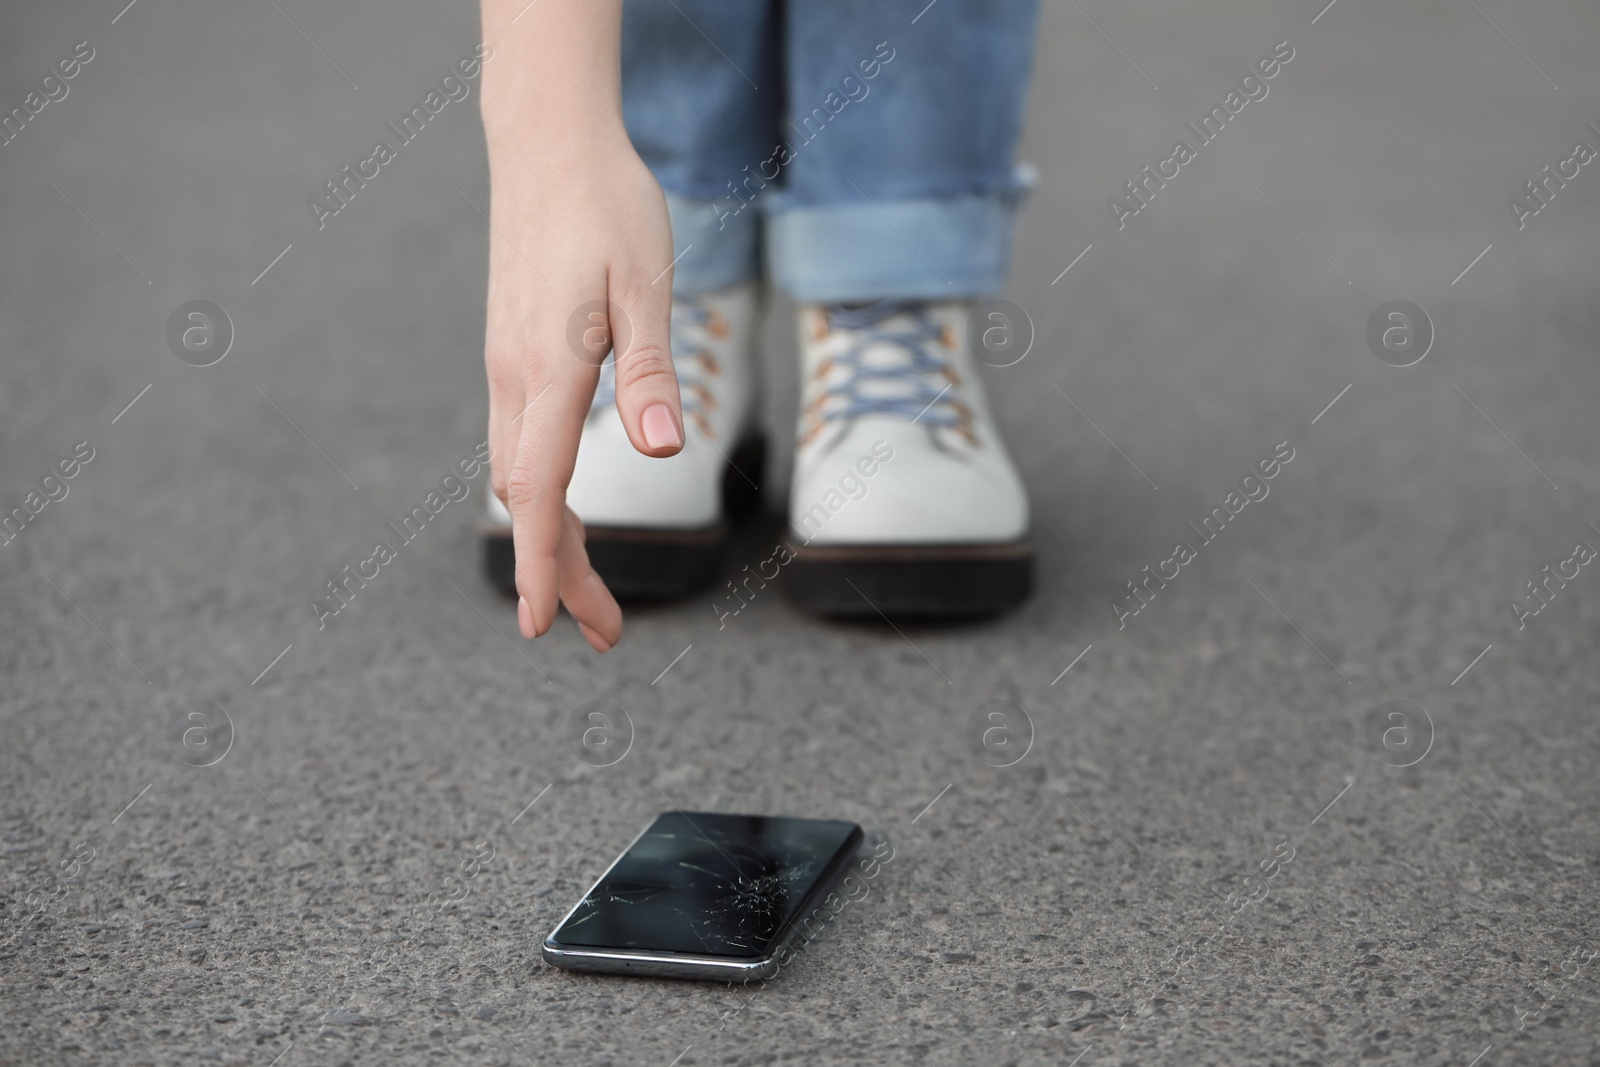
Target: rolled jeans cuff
x=908, y=249
x=715, y=247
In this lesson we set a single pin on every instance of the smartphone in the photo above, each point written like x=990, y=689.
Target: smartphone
x=705, y=895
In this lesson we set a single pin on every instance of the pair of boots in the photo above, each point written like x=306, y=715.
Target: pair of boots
x=904, y=501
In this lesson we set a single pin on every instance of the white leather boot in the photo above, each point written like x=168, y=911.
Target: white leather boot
x=657, y=527
x=904, y=499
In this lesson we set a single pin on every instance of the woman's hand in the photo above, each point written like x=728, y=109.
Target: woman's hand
x=580, y=250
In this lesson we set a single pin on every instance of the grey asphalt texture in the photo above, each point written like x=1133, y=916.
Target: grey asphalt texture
x=1206, y=852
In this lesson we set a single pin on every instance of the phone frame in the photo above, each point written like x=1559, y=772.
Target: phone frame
x=652, y=963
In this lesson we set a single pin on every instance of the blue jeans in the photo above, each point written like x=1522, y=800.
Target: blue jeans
x=864, y=148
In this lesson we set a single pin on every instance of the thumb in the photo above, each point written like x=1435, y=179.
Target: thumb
x=647, y=384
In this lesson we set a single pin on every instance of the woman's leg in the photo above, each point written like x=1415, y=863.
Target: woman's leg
x=701, y=94
x=901, y=180
x=895, y=211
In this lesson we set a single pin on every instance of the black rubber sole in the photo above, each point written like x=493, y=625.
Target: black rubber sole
x=910, y=581
x=642, y=564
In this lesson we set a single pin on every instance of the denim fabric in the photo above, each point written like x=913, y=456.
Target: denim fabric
x=871, y=156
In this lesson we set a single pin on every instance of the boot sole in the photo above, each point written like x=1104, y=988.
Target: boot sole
x=641, y=563
x=911, y=581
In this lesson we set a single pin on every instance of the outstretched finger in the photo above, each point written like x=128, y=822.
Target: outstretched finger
x=584, y=593
x=536, y=490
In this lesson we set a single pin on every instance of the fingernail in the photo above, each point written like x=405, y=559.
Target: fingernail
x=600, y=644
x=525, y=618
x=660, y=431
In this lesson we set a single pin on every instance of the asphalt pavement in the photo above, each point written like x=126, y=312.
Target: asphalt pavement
x=1320, y=791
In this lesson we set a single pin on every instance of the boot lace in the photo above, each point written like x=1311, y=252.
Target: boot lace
x=897, y=364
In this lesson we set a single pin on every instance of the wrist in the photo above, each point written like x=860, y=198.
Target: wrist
x=559, y=79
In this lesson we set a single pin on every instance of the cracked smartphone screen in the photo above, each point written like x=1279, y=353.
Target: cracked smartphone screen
x=707, y=884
